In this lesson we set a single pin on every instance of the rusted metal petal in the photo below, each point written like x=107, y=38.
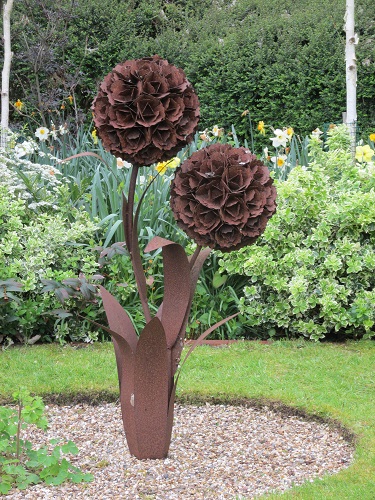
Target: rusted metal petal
x=197, y=262
x=151, y=398
x=176, y=286
x=125, y=359
x=118, y=319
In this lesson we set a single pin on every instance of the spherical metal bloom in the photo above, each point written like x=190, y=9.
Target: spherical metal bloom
x=223, y=197
x=146, y=111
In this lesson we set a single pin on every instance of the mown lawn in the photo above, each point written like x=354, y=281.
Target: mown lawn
x=334, y=381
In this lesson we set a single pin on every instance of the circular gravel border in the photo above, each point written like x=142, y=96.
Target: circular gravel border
x=217, y=452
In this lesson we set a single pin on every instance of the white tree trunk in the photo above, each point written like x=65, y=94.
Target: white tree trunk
x=351, y=73
x=6, y=72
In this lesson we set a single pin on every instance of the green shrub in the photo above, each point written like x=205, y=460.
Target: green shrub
x=312, y=272
x=33, y=246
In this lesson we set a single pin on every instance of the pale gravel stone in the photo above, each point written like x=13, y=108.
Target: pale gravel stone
x=217, y=452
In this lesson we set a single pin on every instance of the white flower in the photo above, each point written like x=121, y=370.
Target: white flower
x=122, y=163
x=63, y=130
x=217, y=132
x=279, y=161
x=53, y=133
x=316, y=133
x=42, y=133
x=142, y=179
x=280, y=139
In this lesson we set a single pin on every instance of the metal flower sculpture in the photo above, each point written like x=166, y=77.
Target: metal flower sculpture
x=222, y=197
x=146, y=110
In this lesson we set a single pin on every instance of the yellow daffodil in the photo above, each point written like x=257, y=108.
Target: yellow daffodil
x=162, y=166
x=70, y=99
x=94, y=136
x=18, y=104
x=289, y=132
x=261, y=128
x=364, y=153
x=372, y=137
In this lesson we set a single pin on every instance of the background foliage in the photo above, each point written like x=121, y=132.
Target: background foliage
x=312, y=272
x=281, y=59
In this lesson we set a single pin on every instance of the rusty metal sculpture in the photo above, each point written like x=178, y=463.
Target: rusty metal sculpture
x=146, y=111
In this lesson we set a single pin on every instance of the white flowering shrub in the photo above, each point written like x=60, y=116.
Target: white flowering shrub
x=53, y=244
x=313, y=271
x=38, y=184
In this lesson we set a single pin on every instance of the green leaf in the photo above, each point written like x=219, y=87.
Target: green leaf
x=219, y=279
x=70, y=447
x=5, y=487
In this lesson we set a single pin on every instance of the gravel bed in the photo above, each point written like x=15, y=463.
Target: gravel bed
x=217, y=452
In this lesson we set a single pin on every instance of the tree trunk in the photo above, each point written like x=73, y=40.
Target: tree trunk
x=351, y=74
x=6, y=72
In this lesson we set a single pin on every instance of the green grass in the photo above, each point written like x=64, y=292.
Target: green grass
x=332, y=381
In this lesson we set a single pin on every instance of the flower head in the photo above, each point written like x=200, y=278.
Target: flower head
x=279, y=161
x=70, y=99
x=94, y=136
x=217, y=132
x=372, y=137
x=18, y=104
x=42, y=133
x=280, y=139
x=289, y=132
x=121, y=163
x=364, y=153
x=261, y=128
x=316, y=133
x=146, y=110
x=162, y=167
x=222, y=197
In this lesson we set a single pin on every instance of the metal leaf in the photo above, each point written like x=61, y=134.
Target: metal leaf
x=151, y=380
x=118, y=318
x=176, y=286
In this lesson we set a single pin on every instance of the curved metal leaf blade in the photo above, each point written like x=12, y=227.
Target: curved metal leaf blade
x=177, y=286
x=151, y=398
x=118, y=319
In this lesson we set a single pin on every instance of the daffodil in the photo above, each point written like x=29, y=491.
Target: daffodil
x=18, y=104
x=316, y=133
x=63, y=129
x=372, y=137
x=42, y=133
x=162, y=167
x=289, y=132
x=279, y=161
x=280, y=139
x=122, y=163
x=261, y=128
x=364, y=153
x=70, y=99
x=94, y=136
x=266, y=154
x=246, y=112
x=217, y=132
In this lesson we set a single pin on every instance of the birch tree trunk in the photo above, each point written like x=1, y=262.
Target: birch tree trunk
x=351, y=74
x=6, y=72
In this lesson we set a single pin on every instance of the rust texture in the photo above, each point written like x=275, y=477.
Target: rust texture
x=146, y=111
